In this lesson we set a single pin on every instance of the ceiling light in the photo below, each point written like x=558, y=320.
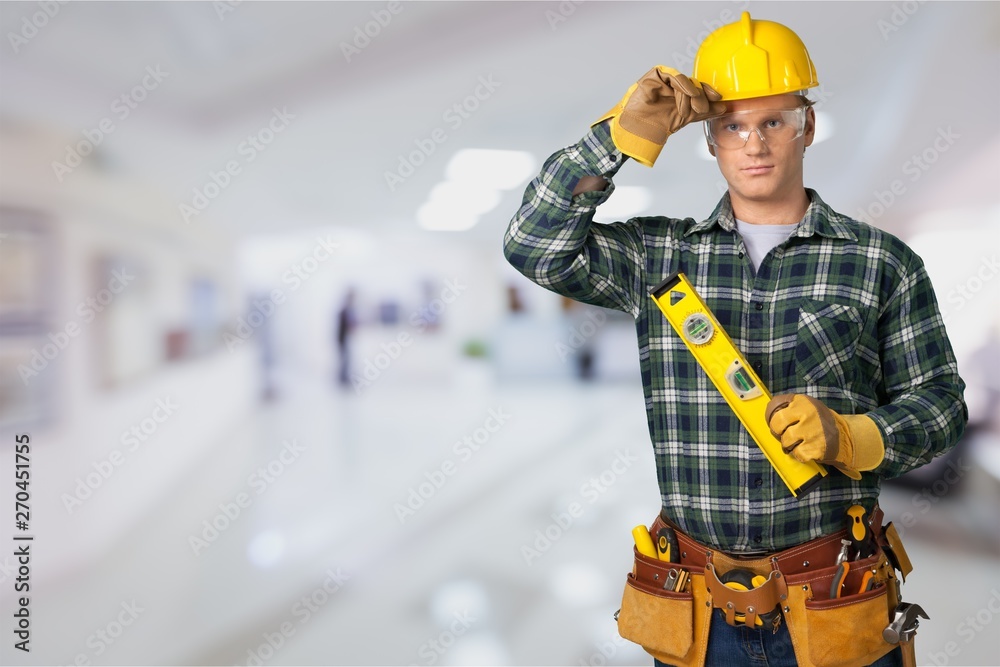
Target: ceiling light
x=702, y=148
x=500, y=169
x=440, y=217
x=266, y=549
x=627, y=201
x=824, y=127
x=468, y=197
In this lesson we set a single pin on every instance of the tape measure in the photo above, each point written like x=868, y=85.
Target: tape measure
x=732, y=376
x=745, y=580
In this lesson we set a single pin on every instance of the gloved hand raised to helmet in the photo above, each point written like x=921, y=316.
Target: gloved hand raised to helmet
x=660, y=103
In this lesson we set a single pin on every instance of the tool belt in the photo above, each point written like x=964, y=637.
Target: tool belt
x=794, y=587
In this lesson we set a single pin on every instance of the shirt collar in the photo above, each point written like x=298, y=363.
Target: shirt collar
x=818, y=219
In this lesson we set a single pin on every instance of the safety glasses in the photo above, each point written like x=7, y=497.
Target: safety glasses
x=773, y=126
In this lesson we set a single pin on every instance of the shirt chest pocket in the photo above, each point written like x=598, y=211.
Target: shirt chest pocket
x=826, y=343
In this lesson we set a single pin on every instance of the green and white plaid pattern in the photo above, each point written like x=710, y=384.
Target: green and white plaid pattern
x=841, y=311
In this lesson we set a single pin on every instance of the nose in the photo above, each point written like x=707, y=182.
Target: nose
x=755, y=144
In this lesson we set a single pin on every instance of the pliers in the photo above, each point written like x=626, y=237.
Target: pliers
x=838, y=579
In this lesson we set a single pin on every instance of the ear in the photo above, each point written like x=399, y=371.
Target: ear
x=810, y=130
x=711, y=149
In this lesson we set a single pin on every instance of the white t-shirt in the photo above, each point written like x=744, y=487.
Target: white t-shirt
x=760, y=239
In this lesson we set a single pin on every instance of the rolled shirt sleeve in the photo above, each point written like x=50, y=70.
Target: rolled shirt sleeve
x=554, y=241
x=925, y=413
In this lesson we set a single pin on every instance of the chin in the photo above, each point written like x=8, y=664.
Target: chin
x=758, y=193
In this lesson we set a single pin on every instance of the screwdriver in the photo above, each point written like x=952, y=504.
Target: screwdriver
x=861, y=536
x=644, y=541
x=666, y=545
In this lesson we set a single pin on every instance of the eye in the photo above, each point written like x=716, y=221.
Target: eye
x=773, y=124
x=731, y=127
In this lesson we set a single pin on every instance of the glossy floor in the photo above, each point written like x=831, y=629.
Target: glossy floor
x=466, y=522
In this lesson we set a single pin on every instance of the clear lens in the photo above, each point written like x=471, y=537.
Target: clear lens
x=773, y=126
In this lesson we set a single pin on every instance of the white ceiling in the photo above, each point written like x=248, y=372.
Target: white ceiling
x=887, y=91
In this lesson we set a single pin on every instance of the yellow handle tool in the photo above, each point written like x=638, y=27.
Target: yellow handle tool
x=644, y=541
x=729, y=371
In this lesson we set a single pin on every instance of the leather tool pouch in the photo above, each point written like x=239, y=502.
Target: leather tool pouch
x=748, y=604
x=673, y=627
x=844, y=631
x=894, y=549
x=670, y=626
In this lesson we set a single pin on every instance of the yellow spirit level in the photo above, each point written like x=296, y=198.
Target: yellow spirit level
x=732, y=376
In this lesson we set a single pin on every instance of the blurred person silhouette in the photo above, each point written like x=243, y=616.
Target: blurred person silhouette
x=514, y=304
x=428, y=315
x=265, y=338
x=346, y=323
x=838, y=318
x=581, y=341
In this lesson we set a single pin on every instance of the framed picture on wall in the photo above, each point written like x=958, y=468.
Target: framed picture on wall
x=25, y=284
x=28, y=359
x=128, y=337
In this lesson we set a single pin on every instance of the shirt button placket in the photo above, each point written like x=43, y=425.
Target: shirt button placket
x=756, y=331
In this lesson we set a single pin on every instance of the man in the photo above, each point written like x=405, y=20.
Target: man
x=838, y=318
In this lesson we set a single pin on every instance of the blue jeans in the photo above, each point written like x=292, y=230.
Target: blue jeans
x=730, y=646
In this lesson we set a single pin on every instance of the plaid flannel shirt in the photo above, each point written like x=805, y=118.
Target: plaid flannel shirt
x=841, y=311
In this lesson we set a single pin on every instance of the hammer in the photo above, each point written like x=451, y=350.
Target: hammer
x=906, y=619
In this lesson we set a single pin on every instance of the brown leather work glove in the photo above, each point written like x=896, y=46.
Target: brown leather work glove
x=810, y=431
x=660, y=103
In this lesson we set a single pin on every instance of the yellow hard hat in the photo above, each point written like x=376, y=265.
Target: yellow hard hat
x=754, y=59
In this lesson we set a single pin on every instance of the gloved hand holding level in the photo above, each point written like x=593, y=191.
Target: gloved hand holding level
x=810, y=431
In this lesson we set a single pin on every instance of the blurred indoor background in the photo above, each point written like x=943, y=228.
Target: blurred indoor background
x=287, y=402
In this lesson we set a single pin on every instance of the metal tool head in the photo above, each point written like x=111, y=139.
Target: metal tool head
x=845, y=546
x=904, y=623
